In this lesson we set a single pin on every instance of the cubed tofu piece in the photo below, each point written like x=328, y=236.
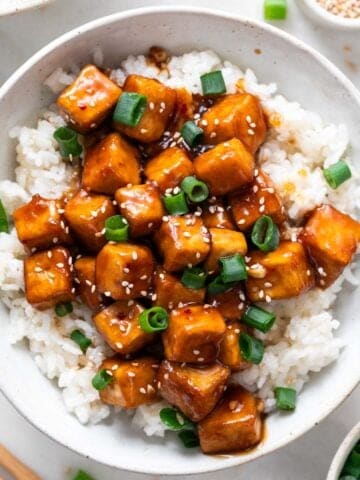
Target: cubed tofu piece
x=39, y=223
x=124, y=270
x=111, y=164
x=255, y=201
x=159, y=109
x=224, y=243
x=194, y=334
x=172, y=293
x=142, y=207
x=234, y=425
x=48, y=278
x=133, y=381
x=284, y=273
x=86, y=215
x=226, y=167
x=169, y=168
x=193, y=390
x=182, y=241
x=215, y=215
x=240, y=116
x=331, y=238
x=85, y=282
x=230, y=353
x=231, y=304
x=89, y=99
x=119, y=325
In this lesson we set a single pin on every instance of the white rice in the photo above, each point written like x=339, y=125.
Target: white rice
x=294, y=154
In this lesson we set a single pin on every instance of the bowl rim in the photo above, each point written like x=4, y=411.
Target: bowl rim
x=342, y=452
x=207, y=12
x=330, y=18
x=30, y=4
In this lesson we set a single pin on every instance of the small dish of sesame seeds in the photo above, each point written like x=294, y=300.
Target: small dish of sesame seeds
x=342, y=14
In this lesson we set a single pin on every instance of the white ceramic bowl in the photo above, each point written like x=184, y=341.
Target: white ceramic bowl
x=321, y=16
x=303, y=75
x=343, y=452
x=10, y=7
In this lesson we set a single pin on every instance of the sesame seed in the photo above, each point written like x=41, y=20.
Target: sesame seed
x=143, y=130
x=187, y=234
x=55, y=239
x=262, y=200
x=150, y=388
x=166, y=376
x=107, y=293
x=212, y=134
x=131, y=374
x=255, y=188
x=241, y=221
x=261, y=294
x=143, y=277
x=252, y=125
x=216, y=121
x=262, y=208
x=73, y=290
x=198, y=255
x=196, y=352
x=267, y=298
x=119, y=345
x=162, y=276
x=248, y=119
x=38, y=269
x=134, y=255
x=204, y=122
x=49, y=253
x=151, y=105
x=165, y=218
x=200, y=359
x=268, y=284
x=251, y=131
x=60, y=265
x=142, y=390
x=308, y=273
x=143, y=293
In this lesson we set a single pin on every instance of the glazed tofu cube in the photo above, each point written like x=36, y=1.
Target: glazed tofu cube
x=331, y=238
x=193, y=390
x=111, y=164
x=89, y=99
x=230, y=353
x=142, y=207
x=172, y=293
x=224, y=243
x=235, y=424
x=86, y=215
x=259, y=199
x=194, y=334
x=119, y=325
x=133, y=382
x=231, y=304
x=215, y=215
x=226, y=167
x=39, y=223
x=182, y=241
x=48, y=278
x=159, y=109
x=169, y=168
x=235, y=116
x=85, y=281
x=284, y=273
x=124, y=270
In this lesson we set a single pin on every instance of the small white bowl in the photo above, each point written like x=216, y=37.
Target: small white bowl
x=10, y=7
x=321, y=16
x=343, y=452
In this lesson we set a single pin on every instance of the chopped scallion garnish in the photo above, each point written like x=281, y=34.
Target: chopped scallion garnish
x=101, y=380
x=265, y=234
x=252, y=348
x=175, y=420
x=285, y=398
x=196, y=190
x=337, y=174
x=189, y=439
x=4, y=222
x=212, y=83
x=81, y=475
x=217, y=285
x=82, y=340
x=191, y=133
x=116, y=229
x=275, y=9
x=130, y=108
x=176, y=204
x=233, y=269
x=154, y=319
x=63, y=309
x=69, y=145
x=194, y=278
x=258, y=318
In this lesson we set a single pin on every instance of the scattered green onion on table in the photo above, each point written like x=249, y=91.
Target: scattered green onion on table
x=154, y=319
x=68, y=142
x=130, y=109
x=275, y=9
x=176, y=204
x=116, y=229
x=196, y=190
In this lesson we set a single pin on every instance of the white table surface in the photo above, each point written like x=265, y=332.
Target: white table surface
x=305, y=459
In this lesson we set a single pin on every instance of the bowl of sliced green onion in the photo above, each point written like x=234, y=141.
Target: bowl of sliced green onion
x=346, y=463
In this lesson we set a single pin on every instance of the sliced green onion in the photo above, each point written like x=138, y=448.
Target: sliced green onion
x=63, y=309
x=4, y=222
x=194, y=278
x=81, y=475
x=191, y=133
x=101, y=380
x=285, y=398
x=196, y=190
x=265, y=234
x=116, y=229
x=233, y=269
x=130, y=108
x=67, y=139
x=176, y=204
x=82, y=340
x=175, y=420
x=275, y=9
x=252, y=349
x=212, y=83
x=154, y=319
x=189, y=439
x=258, y=318
x=217, y=285
x=348, y=477
x=337, y=174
